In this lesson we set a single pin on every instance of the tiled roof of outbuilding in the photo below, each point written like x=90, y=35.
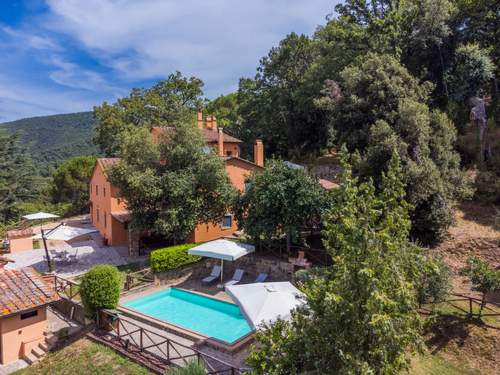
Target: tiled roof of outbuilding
x=23, y=289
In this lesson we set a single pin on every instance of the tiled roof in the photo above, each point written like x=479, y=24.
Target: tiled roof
x=229, y=158
x=327, y=184
x=121, y=216
x=23, y=289
x=209, y=135
x=20, y=233
x=108, y=162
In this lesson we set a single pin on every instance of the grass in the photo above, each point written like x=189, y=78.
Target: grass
x=448, y=309
x=435, y=365
x=84, y=357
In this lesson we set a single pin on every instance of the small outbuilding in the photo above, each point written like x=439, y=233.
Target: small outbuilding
x=24, y=297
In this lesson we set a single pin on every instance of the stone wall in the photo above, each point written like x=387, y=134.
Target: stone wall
x=252, y=264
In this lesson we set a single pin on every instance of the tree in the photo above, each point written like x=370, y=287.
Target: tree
x=173, y=186
x=468, y=78
x=379, y=107
x=279, y=201
x=167, y=102
x=484, y=278
x=226, y=109
x=100, y=288
x=361, y=315
x=434, y=283
x=277, y=105
x=18, y=178
x=70, y=182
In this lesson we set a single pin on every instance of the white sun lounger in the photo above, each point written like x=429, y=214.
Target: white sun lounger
x=214, y=275
x=238, y=275
x=261, y=277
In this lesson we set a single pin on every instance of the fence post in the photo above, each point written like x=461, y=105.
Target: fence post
x=470, y=307
x=118, y=327
x=140, y=338
x=168, y=350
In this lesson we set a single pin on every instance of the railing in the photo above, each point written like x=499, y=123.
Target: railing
x=154, y=349
x=67, y=289
x=484, y=309
x=138, y=278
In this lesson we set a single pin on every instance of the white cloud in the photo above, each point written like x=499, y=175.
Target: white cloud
x=217, y=40
x=26, y=39
x=20, y=100
x=71, y=75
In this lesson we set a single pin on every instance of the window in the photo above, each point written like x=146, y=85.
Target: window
x=29, y=314
x=227, y=221
x=97, y=190
x=97, y=215
x=229, y=153
x=90, y=189
x=104, y=191
x=248, y=185
x=105, y=219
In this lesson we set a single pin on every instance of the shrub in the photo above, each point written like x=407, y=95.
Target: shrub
x=434, y=282
x=488, y=187
x=172, y=257
x=100, y=289
x=484, y=278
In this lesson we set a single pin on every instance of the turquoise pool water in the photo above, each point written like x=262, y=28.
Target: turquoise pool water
x=208, y=316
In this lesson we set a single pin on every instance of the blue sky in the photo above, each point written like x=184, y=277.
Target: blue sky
x=59, y=56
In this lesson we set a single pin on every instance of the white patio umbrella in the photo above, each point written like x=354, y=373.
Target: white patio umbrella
x=266, y=302
x=222, y=249
x=40, y=216
x=64, y=233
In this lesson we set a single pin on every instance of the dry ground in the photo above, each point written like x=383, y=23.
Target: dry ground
x=470, y=346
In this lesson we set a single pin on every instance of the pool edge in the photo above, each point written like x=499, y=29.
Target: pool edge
x=186, y=333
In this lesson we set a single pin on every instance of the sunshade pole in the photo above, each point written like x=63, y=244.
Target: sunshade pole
x=49, y=263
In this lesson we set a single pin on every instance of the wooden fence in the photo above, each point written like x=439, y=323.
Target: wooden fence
x=138, y=279
x=152, y=349
x=472, y=308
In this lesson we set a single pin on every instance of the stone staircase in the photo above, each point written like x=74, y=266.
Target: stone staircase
x=41, y=350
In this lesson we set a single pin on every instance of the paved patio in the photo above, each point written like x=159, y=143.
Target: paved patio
x=88, y=253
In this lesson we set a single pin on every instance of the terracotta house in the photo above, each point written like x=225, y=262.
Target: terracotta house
x=109, y=213
x=20, y=240
x=24, y=297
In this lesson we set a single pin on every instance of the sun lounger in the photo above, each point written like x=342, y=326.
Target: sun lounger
x=261, y=277
x=214, y=275
x=238, y=275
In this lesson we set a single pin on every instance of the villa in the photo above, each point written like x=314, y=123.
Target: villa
x=109, y=214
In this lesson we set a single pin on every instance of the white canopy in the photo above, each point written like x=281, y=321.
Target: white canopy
x=40, y=216
x=222, y=249
x=64, y=233
x=266, y=302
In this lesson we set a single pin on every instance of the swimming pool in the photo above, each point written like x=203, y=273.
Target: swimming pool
x=205, y=315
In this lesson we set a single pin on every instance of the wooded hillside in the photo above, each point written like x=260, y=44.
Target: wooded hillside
x=53, y=139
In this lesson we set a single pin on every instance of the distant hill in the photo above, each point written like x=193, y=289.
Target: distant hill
x=52, y=139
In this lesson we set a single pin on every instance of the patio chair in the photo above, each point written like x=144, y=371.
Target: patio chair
x=261, y=277
x=214, y=275
x=238, y=275
x=73, y=257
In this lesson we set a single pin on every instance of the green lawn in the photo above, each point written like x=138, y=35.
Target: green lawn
x=84, y=357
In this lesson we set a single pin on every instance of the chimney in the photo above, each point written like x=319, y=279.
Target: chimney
x=214, y=122
x=209, y=122
x=220, y=142
x=258, y=153
x=199, y=120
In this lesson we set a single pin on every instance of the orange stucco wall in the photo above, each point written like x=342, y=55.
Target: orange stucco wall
x=103, y=202
x=18, y=337
x=237, y=170
x=115, y=232
x=20, y=244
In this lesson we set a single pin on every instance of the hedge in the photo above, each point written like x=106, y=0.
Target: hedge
x=172, y=257
x=100, y=288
